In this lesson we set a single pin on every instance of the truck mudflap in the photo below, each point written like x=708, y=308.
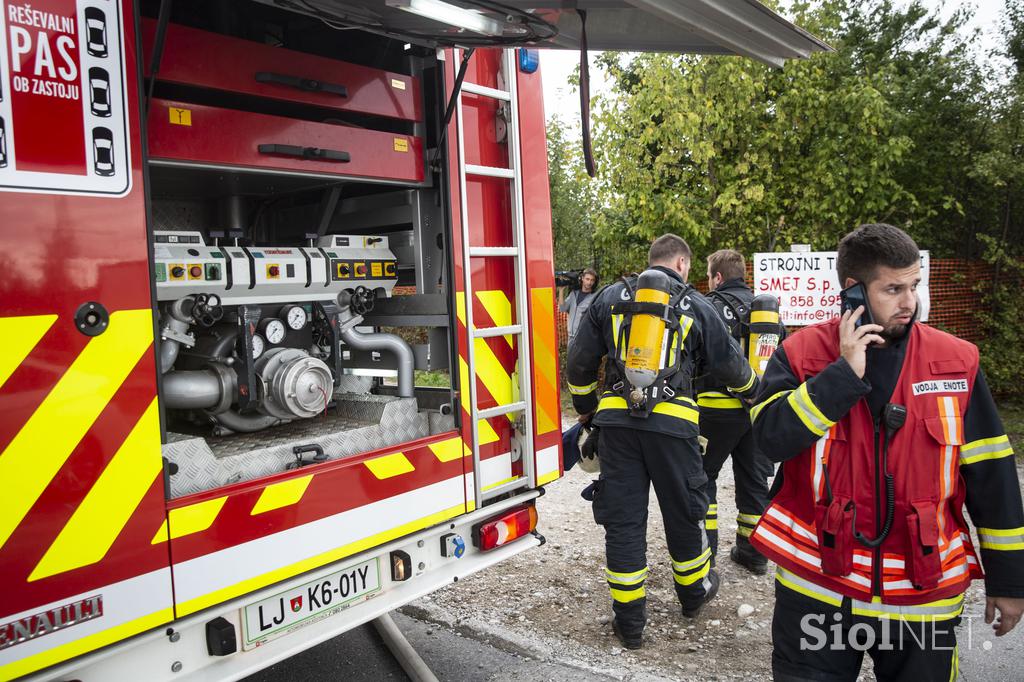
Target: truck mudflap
x=247, y=634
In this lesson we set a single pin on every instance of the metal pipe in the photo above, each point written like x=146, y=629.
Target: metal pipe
x=168, y=354
x=191, y=390
x=387, y=342
x=224, y=344
x=173, y=325
x=245, y=423
x=402, y=650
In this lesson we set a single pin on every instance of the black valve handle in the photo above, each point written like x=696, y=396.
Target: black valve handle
x=318, y=456
x=307, y=84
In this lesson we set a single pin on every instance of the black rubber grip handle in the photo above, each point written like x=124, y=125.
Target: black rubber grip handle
x=318, y=451
x=309, y=153
x=307, y=84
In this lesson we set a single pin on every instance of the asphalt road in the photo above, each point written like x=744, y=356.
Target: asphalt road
x=361, y=656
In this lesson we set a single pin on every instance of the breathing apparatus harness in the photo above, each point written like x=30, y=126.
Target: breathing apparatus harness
x=739, y=326
x=757, y=327
x=651, y=312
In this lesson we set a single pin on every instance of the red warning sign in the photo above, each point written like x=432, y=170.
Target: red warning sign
x=63, y=111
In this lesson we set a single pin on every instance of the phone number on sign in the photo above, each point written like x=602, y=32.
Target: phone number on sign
x=811, y=301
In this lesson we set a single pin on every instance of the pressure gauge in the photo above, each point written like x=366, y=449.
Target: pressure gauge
x=273, y=330
x=295, y=316
x=258, y=345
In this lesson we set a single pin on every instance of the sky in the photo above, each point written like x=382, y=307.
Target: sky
x=560, y=99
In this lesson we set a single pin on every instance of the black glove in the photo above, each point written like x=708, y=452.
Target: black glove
x=589, y=448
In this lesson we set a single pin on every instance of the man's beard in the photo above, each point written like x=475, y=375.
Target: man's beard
x=895, y=332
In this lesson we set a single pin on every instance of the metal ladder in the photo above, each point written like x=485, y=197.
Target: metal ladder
x=522, y=435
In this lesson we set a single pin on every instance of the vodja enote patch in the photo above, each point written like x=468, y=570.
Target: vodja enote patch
x=941, y=386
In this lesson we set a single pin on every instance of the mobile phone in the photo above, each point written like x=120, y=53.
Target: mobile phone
x=853, y=297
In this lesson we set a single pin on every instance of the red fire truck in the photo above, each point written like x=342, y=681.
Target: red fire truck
x=233, y=235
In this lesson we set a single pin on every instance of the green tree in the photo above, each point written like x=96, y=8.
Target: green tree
x=999, y=176
x=726, y=151
x=573, y=201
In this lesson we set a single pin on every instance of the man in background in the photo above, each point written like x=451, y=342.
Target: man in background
x=578, y=301
x=725, y=421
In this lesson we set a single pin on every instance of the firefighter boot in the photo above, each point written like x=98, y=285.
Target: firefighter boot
x=744, y=554
x=629, y=641
x=712, y=590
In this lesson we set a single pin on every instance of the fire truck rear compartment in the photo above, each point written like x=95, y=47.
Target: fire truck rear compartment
x=281, y=228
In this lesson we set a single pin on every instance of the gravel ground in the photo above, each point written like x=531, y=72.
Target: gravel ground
x=552, y=604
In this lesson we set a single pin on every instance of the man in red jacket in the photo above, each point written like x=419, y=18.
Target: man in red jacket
x=885, y=431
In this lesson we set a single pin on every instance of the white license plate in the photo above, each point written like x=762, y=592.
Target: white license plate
x=300, y=606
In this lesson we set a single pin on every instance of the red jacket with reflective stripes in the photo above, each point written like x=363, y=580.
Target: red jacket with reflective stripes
x=837, y=485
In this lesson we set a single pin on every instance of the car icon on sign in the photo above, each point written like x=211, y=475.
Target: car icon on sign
x=103, y=151
x=96, y=31
x=3, y=144
x=99, y=91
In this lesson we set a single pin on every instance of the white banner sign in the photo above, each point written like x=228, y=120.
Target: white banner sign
x=807, y=285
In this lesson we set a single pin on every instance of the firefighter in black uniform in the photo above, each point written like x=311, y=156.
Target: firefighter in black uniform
x=725, y=421
x=648, y=424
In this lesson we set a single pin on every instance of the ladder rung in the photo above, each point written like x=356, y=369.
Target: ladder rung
x=499, y=410
x=490, y=171
x=477, y=89
x=487, y=332
x=478, y=251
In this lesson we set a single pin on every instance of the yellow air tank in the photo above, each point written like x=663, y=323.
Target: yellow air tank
x=764, y=331
x=647, y=331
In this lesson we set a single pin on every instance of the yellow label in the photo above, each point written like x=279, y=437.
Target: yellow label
x=397, y=84
x=401, y=145
x=377, y=270
x=180, y=117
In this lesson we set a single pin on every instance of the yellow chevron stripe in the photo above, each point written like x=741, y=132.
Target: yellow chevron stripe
x=460, y=306
x=497, y=305
x=496, y=380
x=488, y=368
x=20, y=335
x=485, y=432
x=102, y=515
x=283, y=494
x=389, y=466
x=194, y=518
x=450, y=449
x=45, y=442
x=250, y=584
x=545, y=350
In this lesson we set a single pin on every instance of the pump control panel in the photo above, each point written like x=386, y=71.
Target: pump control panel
x=185, y=264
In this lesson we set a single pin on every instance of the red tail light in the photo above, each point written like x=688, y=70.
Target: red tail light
x=511, y=525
